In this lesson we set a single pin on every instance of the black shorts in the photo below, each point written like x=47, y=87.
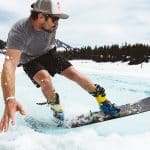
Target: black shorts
x=51, y=61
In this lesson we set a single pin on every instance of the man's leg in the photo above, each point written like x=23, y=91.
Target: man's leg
x=44, y=79
x=72, y=74
x=97, y=91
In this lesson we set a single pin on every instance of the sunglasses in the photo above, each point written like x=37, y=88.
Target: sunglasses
x=54, y=18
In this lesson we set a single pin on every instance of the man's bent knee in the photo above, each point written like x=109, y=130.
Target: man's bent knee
x=43, y=78
x=45, y=82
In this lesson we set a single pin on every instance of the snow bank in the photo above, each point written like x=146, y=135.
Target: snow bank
x=117, y=68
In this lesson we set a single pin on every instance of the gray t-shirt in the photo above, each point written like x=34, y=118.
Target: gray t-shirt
x=31, y=43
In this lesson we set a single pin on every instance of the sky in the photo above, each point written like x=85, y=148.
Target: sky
x=91, y=22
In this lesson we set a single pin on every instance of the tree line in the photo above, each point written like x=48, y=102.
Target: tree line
x=133, y=54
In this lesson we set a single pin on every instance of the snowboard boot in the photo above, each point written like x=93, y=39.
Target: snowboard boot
x=106, y=106
x=56, y=108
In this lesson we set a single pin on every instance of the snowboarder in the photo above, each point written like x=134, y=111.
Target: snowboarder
x=31, y=44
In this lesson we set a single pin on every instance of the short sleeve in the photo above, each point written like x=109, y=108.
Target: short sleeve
x=15, y=39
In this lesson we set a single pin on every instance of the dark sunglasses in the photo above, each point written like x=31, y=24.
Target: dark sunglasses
x=54, y=18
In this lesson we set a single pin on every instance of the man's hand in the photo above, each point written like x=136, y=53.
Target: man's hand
x=11, y=107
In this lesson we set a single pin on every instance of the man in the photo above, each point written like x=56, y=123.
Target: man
x=31, y=43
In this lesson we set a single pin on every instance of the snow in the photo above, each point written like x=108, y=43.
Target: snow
x=117, y=68
x=123, y=84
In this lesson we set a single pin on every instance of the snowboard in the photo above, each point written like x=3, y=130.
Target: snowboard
x=140, y=106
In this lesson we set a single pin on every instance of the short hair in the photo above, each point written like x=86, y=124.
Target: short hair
x=34, y=14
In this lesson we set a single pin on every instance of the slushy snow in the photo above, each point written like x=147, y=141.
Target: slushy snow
x=123, y=84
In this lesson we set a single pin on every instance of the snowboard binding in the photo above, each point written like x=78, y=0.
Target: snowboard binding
x=106, y=106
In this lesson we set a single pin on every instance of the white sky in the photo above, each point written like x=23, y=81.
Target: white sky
x=91, y=22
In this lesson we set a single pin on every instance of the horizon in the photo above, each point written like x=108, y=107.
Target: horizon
x=61, y=43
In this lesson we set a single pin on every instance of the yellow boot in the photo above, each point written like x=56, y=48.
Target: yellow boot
x=106, y=106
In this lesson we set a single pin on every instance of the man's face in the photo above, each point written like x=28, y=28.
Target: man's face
x=50, y=22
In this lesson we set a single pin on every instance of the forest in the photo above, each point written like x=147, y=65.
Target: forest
x=133, y=54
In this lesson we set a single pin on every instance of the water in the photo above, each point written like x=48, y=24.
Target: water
x=37, y=132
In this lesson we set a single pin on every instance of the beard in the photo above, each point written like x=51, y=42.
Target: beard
x=48, y=30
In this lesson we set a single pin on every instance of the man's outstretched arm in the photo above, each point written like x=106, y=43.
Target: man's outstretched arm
x=8, y=87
